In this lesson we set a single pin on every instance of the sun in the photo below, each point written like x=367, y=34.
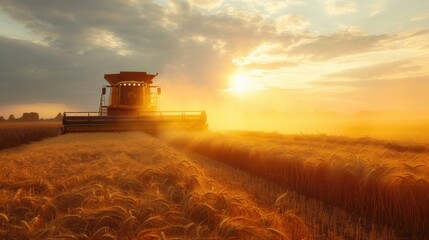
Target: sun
x=240, y=82
x=243, y=82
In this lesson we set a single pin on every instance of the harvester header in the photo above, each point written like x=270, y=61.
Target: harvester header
x=132, y=104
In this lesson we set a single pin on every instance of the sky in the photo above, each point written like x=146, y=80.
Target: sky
x=246, y=57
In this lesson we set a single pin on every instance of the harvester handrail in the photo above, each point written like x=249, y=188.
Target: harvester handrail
x=139, y=115
x=142, y=112
x=81, y=114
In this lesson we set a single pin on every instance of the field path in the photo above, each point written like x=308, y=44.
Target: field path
x=128, y=186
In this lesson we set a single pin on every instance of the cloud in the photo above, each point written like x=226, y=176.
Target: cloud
x=420, y=18
x=206, y=4
x=338, y=44
x=291, y=23
x=271, y=65
x=263, y=54
x=71, y=26
x=339, y=7
x=196, y=46
x=269, y=6
x=377, y=8
x=84, y=41
x=108, y=40
x=376, y=71
x=28, y=69
x=307, y=48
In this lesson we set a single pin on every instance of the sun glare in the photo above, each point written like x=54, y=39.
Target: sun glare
x=242, y=82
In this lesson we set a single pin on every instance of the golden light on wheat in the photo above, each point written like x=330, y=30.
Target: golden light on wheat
x=231, y=185
x=132, y=191
x=386, y=183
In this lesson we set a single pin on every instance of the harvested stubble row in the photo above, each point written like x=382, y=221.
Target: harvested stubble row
x=381, y=184
x=124, y=186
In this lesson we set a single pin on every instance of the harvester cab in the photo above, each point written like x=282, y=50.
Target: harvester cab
x=132, y=105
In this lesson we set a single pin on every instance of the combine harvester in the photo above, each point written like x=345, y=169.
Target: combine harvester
x=133, y=106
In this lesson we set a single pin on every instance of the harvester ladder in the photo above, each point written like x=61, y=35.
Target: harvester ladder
x=103, y=107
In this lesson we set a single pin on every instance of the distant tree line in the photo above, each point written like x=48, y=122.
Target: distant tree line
x=30, y=117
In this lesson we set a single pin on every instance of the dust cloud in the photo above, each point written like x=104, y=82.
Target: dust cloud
x=279, y=111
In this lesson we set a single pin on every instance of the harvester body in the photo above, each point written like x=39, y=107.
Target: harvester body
x=132, y=105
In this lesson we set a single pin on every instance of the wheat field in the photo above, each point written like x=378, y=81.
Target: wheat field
x=125, y=186
x=16, y=133
x=382, y=182
x=211, y=185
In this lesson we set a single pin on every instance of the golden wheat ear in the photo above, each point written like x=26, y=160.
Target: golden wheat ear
x=66, y=201
x=3, y=219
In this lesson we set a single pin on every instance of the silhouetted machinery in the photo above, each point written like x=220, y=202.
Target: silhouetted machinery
x=133, y=105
